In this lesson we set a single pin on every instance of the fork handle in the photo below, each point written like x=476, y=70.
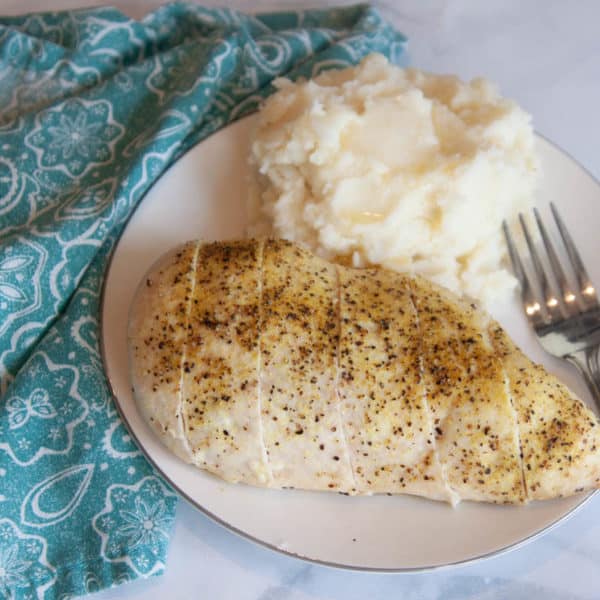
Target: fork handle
x=586, y=362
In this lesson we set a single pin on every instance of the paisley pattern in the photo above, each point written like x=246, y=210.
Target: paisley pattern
x=41, y=509
x=94, y=107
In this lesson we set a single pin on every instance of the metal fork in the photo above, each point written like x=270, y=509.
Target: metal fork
x=565, y=318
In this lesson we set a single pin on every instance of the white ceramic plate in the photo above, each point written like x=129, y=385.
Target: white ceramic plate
x=202, y=195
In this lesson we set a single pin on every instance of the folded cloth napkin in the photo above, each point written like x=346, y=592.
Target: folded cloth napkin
x=94, y=106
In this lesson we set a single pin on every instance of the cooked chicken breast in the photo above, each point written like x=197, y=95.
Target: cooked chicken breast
x=264, y=364
x=387, y=419
x=559, y=437
x=301, y=413
x=473, y=417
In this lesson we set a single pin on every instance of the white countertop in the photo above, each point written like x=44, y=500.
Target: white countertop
x=546, y=55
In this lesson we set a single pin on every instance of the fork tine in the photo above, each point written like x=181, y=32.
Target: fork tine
x=517, y=265
x=549, y=298
x=532, y=305
x=583, y=279
x=566, y=297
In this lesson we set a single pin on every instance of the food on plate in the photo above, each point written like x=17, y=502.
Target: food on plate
x=378, y=165
x=263, y=363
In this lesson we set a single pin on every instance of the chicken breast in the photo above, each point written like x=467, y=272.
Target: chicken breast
x=387, y=419
x=220, y=364
x=301, y=412
x=261, y=363
x=158, y=339
x=559, y=435
x=474, y=421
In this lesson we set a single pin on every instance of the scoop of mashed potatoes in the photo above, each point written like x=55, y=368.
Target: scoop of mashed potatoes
x=377, y=165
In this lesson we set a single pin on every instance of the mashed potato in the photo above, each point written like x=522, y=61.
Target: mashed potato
x=377, y=165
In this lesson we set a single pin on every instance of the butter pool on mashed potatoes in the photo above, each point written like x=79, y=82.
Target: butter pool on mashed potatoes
x=378, y=165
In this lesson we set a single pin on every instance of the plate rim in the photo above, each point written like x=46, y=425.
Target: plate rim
x=243, y=534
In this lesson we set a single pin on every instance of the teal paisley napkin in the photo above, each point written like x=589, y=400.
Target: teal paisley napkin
x=94, y=107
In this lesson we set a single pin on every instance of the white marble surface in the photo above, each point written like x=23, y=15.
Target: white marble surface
x=546, y=55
